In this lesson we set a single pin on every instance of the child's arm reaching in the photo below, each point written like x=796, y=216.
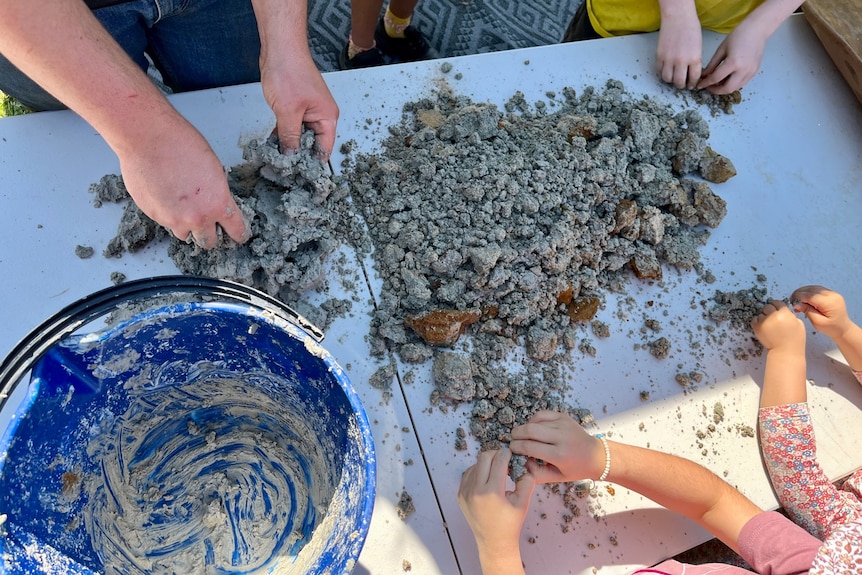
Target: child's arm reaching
x=738, y=57
x=786, y=435
x=674, y=482
x=783, y=336
x=679, y=51
x=494, y=514
x=827, y=312
x=569, y=453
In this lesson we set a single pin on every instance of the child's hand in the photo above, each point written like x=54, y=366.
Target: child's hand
x=568, y=451
x=736, y=60
x=824, y=308
x=679, y=51
x=778, y=329
x=494, y=514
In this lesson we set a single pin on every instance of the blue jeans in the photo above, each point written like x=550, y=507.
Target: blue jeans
x=194, y=44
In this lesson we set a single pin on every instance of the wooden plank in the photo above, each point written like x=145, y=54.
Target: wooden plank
x=838, y=25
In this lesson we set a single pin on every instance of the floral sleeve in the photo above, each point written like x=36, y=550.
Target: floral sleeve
x=803, y=489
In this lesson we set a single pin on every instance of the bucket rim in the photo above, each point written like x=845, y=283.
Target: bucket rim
x=30, y=349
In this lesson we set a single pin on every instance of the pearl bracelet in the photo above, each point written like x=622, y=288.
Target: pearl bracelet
x=607, y=468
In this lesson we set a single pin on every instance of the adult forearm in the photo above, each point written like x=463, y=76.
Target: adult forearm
x=283, y=27
x=683, y=486
x=62, y=47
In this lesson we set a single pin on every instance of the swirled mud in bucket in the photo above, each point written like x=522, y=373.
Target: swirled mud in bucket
x=197, y=437
x=210, y=476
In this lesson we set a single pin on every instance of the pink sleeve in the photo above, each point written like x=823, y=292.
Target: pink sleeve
x=773, y=545
x=769, y=542
x=673, y=567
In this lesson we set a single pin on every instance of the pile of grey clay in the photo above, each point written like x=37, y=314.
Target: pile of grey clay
x=511, y=225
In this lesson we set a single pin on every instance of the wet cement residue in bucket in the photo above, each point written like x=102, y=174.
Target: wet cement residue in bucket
x=149, y=460
x=205, y=476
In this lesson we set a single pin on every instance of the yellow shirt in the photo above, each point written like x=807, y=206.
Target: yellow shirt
x=621, y=17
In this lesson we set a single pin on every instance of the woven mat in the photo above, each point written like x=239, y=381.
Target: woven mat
x=453, y=27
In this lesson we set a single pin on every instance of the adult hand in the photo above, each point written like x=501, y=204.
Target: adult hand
x=679, y=51
x=298, y=96
x=736, y=60
x=779, y=330
x=494, y=514
x=179, y=182
x=568, y=451
x=167, y=166
x=824, y=308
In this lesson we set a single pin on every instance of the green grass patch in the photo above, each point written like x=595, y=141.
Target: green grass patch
x=11, y=107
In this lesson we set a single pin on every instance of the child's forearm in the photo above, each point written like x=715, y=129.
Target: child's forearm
x=850, y=344
x=769, y=15
x=784, y=379
x=790, y=454
x=685, y=487
x=676, y=9
x=497, y=562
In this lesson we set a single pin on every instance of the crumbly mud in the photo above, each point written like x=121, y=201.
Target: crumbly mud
x=285, y=200
x=511, y=226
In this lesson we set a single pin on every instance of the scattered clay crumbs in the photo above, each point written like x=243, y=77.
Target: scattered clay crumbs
x=505, y=228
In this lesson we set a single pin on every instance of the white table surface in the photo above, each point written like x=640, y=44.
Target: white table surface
x=793, y=214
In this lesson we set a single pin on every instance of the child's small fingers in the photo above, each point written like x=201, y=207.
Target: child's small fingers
x=481, y=471
x=545, y=415
x=500, y=464
x=523, y=490
x=768, y=309
x=800, y=306
x=756, y=321
x=694, y=71
x=544, y=472
x=466, y=483
x=805, y=293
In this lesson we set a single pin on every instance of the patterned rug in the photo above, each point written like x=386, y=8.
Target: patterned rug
x=453, y=27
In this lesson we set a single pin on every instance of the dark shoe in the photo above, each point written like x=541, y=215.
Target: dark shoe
x=365, y=59
x=580, y=28
x=411, y=48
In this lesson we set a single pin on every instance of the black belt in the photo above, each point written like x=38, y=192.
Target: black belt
x=96, y=4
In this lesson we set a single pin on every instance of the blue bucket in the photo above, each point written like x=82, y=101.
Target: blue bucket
x=181, y=425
